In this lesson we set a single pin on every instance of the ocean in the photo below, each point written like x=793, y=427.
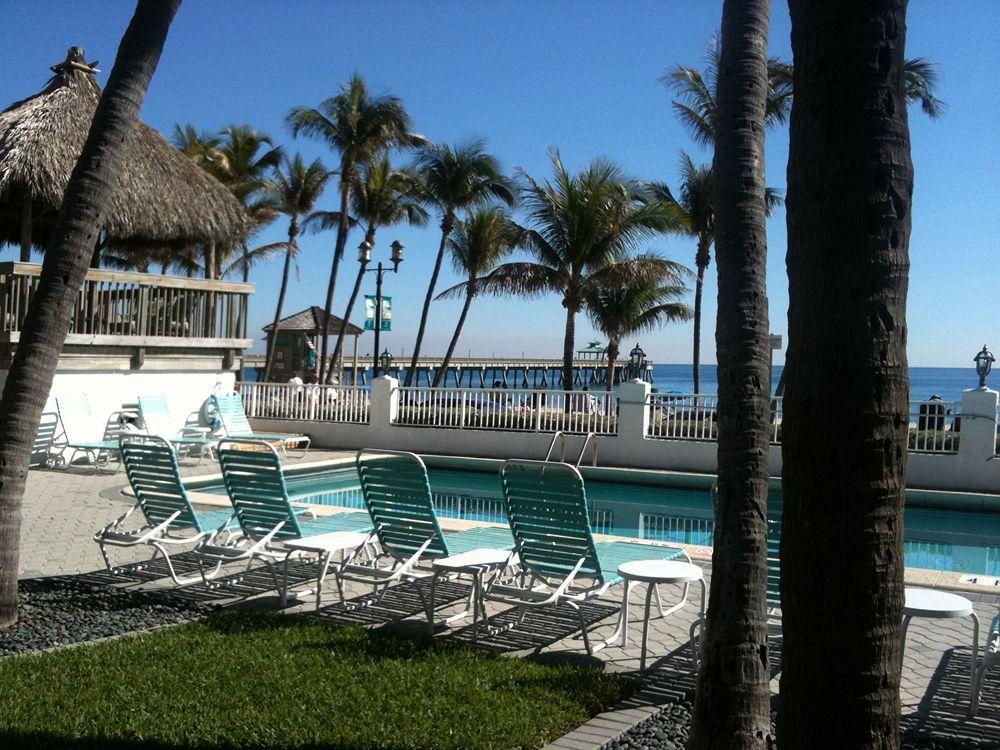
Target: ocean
x=946, y=382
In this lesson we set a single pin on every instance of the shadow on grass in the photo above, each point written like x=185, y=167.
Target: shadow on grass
x=48, y=741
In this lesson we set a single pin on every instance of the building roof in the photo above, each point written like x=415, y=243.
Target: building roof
x=163, y=199
x=310, y=320
x=593, y=347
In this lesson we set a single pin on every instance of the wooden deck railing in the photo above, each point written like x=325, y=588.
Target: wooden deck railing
x=116, y=308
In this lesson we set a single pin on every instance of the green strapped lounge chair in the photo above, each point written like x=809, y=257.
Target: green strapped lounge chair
x=398, y=497
x=155, y=414
x=229, y=407
x=80, y=429
x=169, y=520
x=255, y=482
x=546, y=507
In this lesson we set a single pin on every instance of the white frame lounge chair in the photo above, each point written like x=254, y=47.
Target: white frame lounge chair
x=154, y=411
x=397, y=495
x=233, y=415
x=76, y=416
x=560, y=563
x=255, y=483
x=169, y=518
x=991, y=656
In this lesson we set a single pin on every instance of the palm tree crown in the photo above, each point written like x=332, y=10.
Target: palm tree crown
x=584, y=230
x=480, y=241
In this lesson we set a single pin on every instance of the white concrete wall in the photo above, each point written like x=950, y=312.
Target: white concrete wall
x=973, y=468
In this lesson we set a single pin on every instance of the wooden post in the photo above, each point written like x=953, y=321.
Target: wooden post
x=26, y=229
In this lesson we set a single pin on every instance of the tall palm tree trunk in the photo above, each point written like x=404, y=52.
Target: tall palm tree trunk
x=442, y=372
x=731, y=709
x=447, y=224
x=698, y=289
x=293, y=233
x=850, y=187
x=343, y=227
x=569, y=338
x=609, y=377
x=64, y=267
x=342, y=333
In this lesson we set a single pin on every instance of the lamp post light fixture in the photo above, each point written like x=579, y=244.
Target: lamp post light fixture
x=364, y=257
x=637, y=361
x=984, y=363
x=385, y=360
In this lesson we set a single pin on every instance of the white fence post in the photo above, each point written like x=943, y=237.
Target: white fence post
x=633, y=416
x=979, y=426
x=385, y=401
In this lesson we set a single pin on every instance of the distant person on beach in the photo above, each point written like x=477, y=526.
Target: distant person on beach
x=311, y=359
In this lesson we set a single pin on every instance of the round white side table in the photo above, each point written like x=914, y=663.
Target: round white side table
x=940, y=605
x=653, y=573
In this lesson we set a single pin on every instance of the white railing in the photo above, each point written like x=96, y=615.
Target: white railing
x=680, y=529
x=689, y=416
x=322, y=403
x=574, y=412
x=934, y=426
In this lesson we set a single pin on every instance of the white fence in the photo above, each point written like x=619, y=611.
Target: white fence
x=934, y=426
x=690, y=416
x=573, y=412
x=318, y=403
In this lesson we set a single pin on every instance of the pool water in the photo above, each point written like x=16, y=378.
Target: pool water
x=936, y=538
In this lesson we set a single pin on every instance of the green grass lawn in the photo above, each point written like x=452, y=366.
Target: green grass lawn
x=256, y=680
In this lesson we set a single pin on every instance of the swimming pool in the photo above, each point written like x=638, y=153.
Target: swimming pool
x=938, y=538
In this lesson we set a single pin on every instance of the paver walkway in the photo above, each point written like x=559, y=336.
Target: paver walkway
x=63, y=509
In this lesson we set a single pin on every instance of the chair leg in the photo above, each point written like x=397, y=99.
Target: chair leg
x=975, y=657
x=902, y=638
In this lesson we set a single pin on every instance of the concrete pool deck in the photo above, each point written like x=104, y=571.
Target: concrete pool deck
x=63, y=509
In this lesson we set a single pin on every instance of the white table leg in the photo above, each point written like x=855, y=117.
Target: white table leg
x=650, y=588
x=975, y=657
x=902, y=637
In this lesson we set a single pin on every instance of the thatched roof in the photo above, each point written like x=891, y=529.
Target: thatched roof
x=163, y=198
x=310, y=320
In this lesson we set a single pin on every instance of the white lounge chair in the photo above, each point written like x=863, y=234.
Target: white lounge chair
x=229, y=407
x=81, y=430
x=154, y=411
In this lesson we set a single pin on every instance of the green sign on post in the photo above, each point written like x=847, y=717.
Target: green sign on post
x=386, y=314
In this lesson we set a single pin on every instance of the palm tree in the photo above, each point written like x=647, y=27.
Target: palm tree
x=920, y=76
x=583, y=231
x=696, y=201
x=477, y=244
x=64, y=267
x=732, y=703
x=629, y=310
x=456, y=178
x=297, y=187
x=382, y=197
x=697, y=103
x=360, y=128
x=844, y=469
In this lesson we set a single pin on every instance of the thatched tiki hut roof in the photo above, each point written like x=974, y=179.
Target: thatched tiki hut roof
x=163, y=199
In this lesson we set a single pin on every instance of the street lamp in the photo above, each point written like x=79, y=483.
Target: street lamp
x=364, y=257
x=385, y=360
x=984, y=363
x=637, y=361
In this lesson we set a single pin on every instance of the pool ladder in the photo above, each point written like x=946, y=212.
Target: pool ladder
x=561, y=437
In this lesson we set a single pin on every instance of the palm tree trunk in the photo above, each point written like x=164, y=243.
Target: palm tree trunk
x=343, y=227
x=732, y=704
x=850, y=187
x=342, y=334
x=612, y=353
x=569, y=339
x=246, y=262
x=447, y=224
x=698, y=289
x=63, y=270
x=26, y=228
x=293, y=233
x=443, y=370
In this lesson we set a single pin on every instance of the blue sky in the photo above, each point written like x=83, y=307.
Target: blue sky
x=581, y=76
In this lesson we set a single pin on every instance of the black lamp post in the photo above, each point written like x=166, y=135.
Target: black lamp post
x=637, y=361
x=385, y=360
x=364, y=256
x=984, y=363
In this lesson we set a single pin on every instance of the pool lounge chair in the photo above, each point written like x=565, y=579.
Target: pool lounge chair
x=229, y=407
x=560, y=562
x=155, y=414
x=80, y=428
x=169, y=519
x=398, y=498
x=255, y=482
x=991, y=657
